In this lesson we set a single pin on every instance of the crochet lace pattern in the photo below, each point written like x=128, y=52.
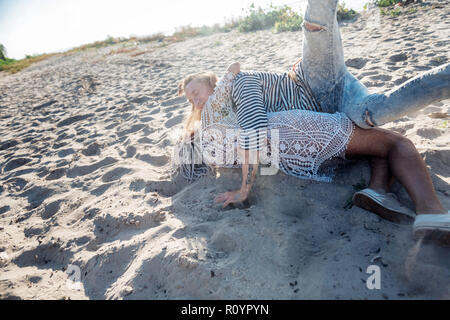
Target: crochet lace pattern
x=306, y=139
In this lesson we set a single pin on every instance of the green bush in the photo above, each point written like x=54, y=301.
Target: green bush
x=288, y=21
x=280, y=18
x=13, y=66
x=207, y=30
x=259, y=19
x=5, y=62
x=385, y=3
x=110, y=41
x=395, y=13
x=256, y=19
x=231, y=24
x=344, y=13
x=2, y=52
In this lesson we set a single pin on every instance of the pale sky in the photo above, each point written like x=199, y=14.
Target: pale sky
x=44, y=26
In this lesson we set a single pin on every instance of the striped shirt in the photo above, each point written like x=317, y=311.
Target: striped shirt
x=255, y=93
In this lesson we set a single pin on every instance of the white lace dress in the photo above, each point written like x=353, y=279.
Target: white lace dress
x=305, y=140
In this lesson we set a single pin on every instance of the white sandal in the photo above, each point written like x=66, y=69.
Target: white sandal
x=434, y=227
x=386, y=205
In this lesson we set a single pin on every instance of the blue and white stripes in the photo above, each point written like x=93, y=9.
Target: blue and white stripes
x=255, y=93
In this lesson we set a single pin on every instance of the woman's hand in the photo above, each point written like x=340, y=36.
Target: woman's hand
x=232, y=197
x=235, y=68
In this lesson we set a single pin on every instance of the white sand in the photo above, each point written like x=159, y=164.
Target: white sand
x=85, y=180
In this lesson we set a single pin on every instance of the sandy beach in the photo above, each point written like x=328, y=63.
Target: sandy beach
x=86, y=142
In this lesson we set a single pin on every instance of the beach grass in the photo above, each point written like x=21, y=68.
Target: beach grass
x=277, y=18
x=386, y=3
x=13, y=66
x=344, y=13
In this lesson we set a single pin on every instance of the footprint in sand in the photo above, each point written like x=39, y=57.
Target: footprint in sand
x=421, y=68
x=157, y=161
x=36, y=195
x=139, y=100
x=174, y=121
x=147, y=119
x=437, y=61
x=368, y=73
x=63, y=136
x=101, y=189
x=82, y=131
x=429, y=133
x=223, y=242
x=164, y=188
x=131, y=151
x=8, y=144
x=100, y=109
x=16, y=163
x=159, y=92
x=4, y=209
x=15, y=185
x=74, y=119
x=441, y=155
x=92, y=150
x=147, y=130
x=381, y=77
x=146, y=140
x=28, y=139
x=59, y=145
x=357, y=63
x=175, y=108
x=111, y=126
x=90, y=213
x=137, y=185
x=168, y=114
x=173, y=101
x=155, y=110
x=33, y=231
x=56, y=174
x=65, y=152
x=115, y=174
x=51, y=209
x=398, y=57
x=42, y=255
x=133, y=129
x=46, y=104
x=84, y=170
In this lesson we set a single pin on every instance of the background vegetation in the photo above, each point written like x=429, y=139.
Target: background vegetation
x=344, y=13
x=385, y=3
x=276, y=18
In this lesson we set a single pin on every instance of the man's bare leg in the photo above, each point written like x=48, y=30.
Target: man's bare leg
x=405, y=163
x=381, y=176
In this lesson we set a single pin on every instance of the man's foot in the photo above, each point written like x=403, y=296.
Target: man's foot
x=383, y=204
x=433, y=227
